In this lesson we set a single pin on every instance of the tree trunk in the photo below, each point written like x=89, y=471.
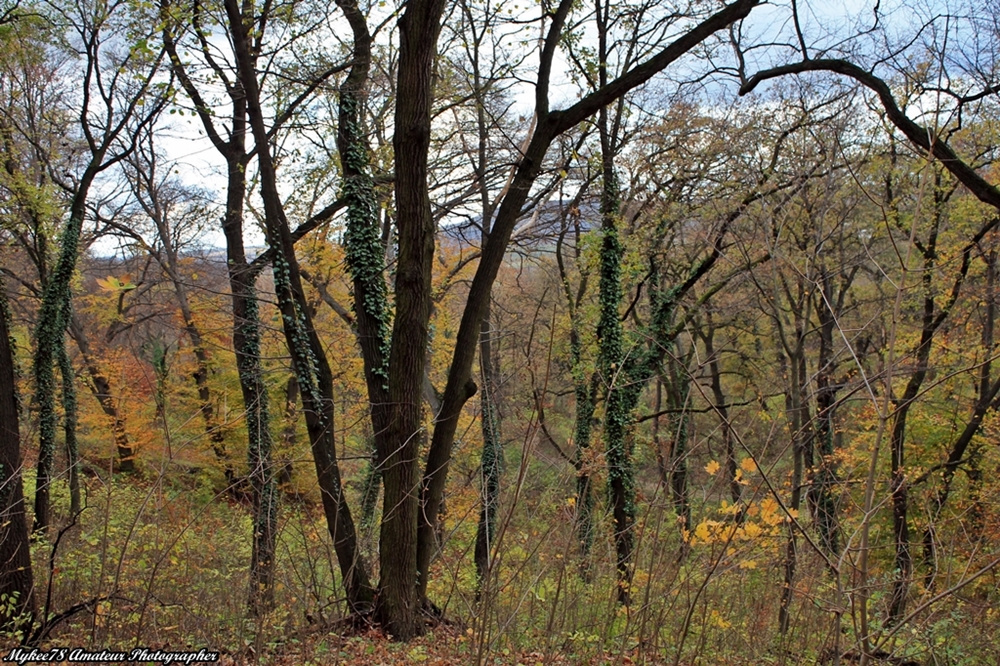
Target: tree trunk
x=399, y=447
x=799, y=425
x=15, y=575
x=678, y=394
x=309, y=360
x=69, y=427
x=617, y=416
x=728, y=445
x=101, y=388
x=492, y=457
x=49, y=335
x=825, y=477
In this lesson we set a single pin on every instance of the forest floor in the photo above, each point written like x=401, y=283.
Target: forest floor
x=441, y=646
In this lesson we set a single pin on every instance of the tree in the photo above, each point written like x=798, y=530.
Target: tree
x=933, y=143
x=17, y=584
x=119, y=89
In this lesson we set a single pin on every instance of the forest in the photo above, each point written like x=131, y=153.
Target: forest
x=479, y=332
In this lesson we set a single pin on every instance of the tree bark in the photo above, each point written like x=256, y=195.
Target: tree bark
x=491, y=463
x=246, y=324
x=309, y=360
x=100, y=386
x=15, y=575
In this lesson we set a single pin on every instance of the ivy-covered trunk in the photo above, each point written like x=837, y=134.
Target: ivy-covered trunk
x=16, y=580
x=49, y=338
x=309, y=360
x=256, y=404
x=259, y=447
x=491, y=464
x=617, y=412
x=365, y=248
x=69, y=427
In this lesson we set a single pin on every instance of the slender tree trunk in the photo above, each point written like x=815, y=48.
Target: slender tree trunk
x=678, y=394
x=15, y=575
x=825, y=477
x=491, y=464
x=247, y=345
x=308, y=356
x=728, y=445
x=799, y=424
x=100, y=386
x=585, y=389
x=69, y=427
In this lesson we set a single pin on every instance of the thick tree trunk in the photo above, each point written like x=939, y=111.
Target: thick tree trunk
x=49, y=335
x=399, y=600
x=617, y=416
x=15, y=575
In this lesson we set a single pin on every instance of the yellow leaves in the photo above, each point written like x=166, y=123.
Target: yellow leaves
x=712, y=467
x=770, y=512
x=705, y=532
x=116, y=285
x=751, y=530
x=748, y=465
x=720, y=621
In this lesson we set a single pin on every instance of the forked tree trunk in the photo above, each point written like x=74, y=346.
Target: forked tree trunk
x=309, y=360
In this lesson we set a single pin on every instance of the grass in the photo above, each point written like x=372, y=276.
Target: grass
x=171, y=556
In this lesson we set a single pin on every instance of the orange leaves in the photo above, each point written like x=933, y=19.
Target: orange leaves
x=116, y=285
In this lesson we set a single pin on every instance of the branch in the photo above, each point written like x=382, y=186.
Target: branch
x=319, y=218
x=921, y=137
